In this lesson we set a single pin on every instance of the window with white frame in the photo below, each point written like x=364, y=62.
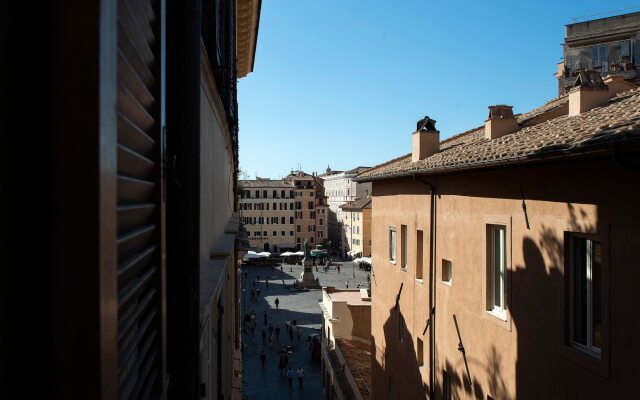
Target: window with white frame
x=392, y=243
x=497, y=269
x=585, y=274
x=403, y=244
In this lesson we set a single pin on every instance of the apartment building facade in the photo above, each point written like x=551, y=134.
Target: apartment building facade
x=280, y=215
x=607, y=45
x=356, y=226
x=498, y=270
x=267, y=212
x=137, y=154
x=340, y=188
x=346, y=343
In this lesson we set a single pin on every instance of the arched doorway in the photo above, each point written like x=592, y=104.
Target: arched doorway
x=266, y=247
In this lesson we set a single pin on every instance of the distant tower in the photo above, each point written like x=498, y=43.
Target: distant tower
x=328, y=171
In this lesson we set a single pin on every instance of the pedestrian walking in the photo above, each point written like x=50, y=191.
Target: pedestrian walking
x=263, y=358
x=290, y=377
x=257, y=294
x=278, y=333
x=266, y=282
x=281, y=365
x=338, y=267
x=347, y=283
x=277, y=302
x=290, y=333
x=265, y=317
x=300, y=374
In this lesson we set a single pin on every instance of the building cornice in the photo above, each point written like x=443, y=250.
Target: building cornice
x=247, y=24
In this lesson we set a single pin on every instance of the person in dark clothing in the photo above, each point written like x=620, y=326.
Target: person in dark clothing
x=277, y=302
x=265, y=317
x=290, y=377
x=300, y=374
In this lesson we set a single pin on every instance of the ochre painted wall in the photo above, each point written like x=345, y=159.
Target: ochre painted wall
x=526, y=356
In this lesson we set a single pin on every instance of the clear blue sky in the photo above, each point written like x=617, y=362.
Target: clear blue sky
x=343, y=82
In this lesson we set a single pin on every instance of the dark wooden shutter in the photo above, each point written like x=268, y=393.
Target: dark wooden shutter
x=141, y=364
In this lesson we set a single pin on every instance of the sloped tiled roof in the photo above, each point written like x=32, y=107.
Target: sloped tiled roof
x=358, y=204
x=614, y=124
x=265, y=183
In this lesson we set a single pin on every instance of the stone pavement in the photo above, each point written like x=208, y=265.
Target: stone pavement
x=266, y=383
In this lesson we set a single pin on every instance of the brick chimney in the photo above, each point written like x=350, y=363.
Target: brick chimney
x=425, y=140
x=500, y=122
x=587, y=93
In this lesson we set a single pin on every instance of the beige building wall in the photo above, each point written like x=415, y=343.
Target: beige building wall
x=526, y=353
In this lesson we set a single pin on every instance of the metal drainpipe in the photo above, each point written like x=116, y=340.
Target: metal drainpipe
x=432, y=286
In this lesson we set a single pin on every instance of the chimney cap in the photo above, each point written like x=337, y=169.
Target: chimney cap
x=500, y=111
x=590, y=79
x=426, y=124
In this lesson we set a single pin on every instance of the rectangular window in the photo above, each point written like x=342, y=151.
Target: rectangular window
x=275, y=233
x=447, y=272
x=264, y=233
x=298, y=228
x=420, y=352
x=282, y=233
x=275, y=195
x=264, y=194
x=498, y=269
x=290, y=233
x=392, y=243
x=419, y=254
x=585, y=294
x=291, y=195
x=321, y=222
x=310, y=204
x=291, y=220
x=403, y=243
x=283, y=220
x=275, y=206
x=257, y=194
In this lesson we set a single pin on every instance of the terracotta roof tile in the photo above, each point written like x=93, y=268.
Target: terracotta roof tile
x=615, y=123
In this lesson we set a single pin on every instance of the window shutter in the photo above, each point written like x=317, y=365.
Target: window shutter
x=140, y=215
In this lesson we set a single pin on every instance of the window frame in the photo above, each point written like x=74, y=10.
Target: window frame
x=499, y=310
x=589, y=348
x=404, y=247
x=393, y=244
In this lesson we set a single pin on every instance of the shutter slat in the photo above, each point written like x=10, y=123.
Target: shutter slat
x=140, y=218
x=136, y=313
x=132, y=190
x=134, y=32
x=143, y=19
x=134, y=138
x=129, y=50
x=144, y=376
x=133, y=265
x=134, y=242
x=133, y=374
x=131, y=291
x=132, y=216
x=129, y=106
x=128, y=348
x=128, y=76
x=132, y=164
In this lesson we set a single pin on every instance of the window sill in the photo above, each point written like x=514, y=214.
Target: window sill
x=596, y=363
x=392, y=262
x=420, y=281
x=404, y=269
x=500, y=319
x=448, y=283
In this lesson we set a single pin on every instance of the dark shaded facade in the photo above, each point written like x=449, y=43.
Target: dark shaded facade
x=102, y=166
